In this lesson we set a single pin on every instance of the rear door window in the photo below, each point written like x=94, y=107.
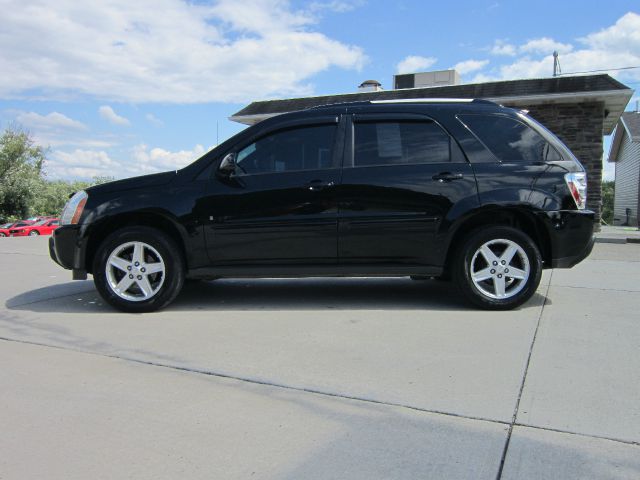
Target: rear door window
x=510, y=140
x=399, y=143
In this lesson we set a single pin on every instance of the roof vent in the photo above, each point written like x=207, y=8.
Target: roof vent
x=437, y=78
x=370, y=86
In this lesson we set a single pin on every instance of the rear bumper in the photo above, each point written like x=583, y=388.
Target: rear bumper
x=571, y=234
x=67, y=249
x=568, y=262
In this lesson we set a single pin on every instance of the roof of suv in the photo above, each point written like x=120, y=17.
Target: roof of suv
x=404, y=105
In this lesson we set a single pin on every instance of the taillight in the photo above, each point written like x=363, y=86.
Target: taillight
x=577, y=183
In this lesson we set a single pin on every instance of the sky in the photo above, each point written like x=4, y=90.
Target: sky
x=120, y=88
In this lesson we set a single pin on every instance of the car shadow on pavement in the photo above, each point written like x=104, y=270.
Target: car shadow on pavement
x=269, y=295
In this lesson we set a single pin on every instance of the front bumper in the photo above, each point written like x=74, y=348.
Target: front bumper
x=572, y=236
x=67, y=249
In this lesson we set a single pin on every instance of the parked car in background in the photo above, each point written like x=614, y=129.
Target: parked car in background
x=43, y=227
x=42, y=217
x=4, y=229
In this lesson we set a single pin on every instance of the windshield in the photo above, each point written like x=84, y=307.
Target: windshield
x=41, y=222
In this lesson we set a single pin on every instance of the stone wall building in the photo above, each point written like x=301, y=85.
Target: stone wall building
x=578, y=109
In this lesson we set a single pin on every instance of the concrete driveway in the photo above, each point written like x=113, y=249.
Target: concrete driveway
x=320, y=378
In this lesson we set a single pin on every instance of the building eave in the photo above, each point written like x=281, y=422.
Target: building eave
x=615, y=99
x=618, y=135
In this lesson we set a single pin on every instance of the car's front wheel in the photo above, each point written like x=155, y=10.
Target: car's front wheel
x=138, y=269
x=498, y=268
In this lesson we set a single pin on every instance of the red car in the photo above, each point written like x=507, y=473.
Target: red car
x=43, y=227
x=4, y=229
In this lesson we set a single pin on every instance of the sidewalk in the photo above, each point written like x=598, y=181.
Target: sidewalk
x=609, y=234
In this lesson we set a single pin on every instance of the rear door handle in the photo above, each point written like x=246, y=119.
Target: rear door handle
x=447, y=177
x=318, y=185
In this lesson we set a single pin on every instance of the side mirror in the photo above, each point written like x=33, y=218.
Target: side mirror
x=228, y=165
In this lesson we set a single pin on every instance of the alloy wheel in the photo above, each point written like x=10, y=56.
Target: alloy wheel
x=500, y=269
x=135, y=271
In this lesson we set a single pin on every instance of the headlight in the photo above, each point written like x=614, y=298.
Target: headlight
x=73, y=209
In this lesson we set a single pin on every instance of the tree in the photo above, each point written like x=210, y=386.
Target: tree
x=52, y=195
x=21, y=164
x=608, y=191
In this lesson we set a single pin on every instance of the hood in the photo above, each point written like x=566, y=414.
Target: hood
x=144, y=181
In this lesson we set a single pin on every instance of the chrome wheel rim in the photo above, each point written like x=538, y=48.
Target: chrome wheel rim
x=500, y=269
x=33, y=233
x=135, y=271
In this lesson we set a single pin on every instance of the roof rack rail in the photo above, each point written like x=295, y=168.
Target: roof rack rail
x=340, y=104
x=406, y=100
x=435, y=100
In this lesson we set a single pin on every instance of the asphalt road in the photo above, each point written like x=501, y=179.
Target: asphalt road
x=320, y=378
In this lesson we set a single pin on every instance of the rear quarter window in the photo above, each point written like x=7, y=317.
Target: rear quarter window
x=509, y=139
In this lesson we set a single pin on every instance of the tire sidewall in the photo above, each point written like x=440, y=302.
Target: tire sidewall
x=171, y=256
x=468, y=249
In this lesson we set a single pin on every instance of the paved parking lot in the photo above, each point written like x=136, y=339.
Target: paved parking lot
x=320, y=378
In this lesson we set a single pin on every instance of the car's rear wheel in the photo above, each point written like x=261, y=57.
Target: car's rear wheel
x=498, y=268
x=2, y=234
x=34, y=233
x=138, y=269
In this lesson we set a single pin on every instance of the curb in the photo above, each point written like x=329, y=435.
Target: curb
x=617, y=240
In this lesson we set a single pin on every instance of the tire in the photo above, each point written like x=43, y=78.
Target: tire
x=34, y=233
x=2, y=234
x=487, y=282
x=125, y=259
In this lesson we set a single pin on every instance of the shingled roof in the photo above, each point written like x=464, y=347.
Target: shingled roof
x=629, y=124
x=631, y=121
x=509, y=92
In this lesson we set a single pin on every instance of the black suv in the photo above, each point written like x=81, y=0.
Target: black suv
x=460, y=189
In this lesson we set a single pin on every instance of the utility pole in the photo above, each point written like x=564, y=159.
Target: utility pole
x=556, y=64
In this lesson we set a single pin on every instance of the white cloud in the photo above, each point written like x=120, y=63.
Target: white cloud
x=415, y=63
x=501, y=47
x=56, y=129
x=151, y=118
x=80, y=164
x=624, y=34
x=84, y=164
x=159, y=159
x=338, y=6
x=545, y=45
x=109, y=115
x=167, y=51
x=613, y=47
x=469, y=66
x=51, y=121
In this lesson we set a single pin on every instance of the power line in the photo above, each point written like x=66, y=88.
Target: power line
x=602, y=70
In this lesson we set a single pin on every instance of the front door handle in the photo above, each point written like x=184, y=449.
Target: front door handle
x=447, y=177
x=318, y=185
